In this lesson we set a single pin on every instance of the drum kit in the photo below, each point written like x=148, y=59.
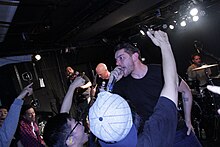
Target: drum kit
x=205, y=104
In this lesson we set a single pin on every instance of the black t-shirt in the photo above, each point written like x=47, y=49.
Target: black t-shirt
x=142, y=93
x=101, y=83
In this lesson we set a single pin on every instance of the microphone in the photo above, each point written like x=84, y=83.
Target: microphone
x=73, y=75
x=111, y=84
x=102, y=88
x=76, y=73
x=195, y=46
x=69, y=75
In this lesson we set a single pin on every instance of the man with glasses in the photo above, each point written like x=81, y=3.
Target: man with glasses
x=62, y=130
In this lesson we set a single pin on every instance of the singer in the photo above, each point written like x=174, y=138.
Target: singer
x=141, y=85
x=197, y=75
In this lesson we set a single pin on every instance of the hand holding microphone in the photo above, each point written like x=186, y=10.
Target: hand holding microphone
x=115, y=75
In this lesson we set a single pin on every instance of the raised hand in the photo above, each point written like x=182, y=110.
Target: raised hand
x=159, y=38
x=28, y=90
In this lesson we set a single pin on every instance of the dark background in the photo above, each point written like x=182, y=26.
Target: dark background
x=85, y=55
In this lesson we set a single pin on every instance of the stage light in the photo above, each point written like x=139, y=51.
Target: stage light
x=171, y=27
x=195, y=18
x=194, y=11
x=183, y=23
x=164, y=26
x=202, y=13
x=37, y=57
x=142, y=32
x=35, y=103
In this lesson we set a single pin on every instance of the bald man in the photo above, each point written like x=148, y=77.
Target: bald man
x=103, y=74
x=102, y=71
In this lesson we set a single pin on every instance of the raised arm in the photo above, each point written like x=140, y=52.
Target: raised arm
x=10, y=123
x=67, y=102
x=169, y=90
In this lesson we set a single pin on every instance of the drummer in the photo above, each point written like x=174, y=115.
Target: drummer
x=201, y=74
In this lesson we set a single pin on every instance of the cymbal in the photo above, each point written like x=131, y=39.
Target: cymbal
x=204, y=67
x=216, y=77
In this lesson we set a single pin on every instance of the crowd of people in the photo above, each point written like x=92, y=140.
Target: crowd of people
x=135, y=104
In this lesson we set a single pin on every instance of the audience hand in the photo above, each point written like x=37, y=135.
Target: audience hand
x=159, y=38
x=28, y=90
x=190, y=128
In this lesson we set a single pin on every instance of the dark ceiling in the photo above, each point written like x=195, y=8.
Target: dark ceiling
x=48, y=25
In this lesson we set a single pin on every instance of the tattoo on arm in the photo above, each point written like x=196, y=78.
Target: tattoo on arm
x=185, y=98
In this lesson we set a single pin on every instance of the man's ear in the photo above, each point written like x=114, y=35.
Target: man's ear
x=135, y=56
x=70, y=141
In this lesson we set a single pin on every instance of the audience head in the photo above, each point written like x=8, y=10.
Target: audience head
x=111, y=121
x=3, y=114
x=61, y=130
x=28, y=112
x=102, y=71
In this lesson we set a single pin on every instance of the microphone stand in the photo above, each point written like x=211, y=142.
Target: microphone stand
x=210, y=55
x=216, y=117
x=206, y=53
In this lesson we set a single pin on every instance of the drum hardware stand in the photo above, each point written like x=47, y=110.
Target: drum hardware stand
x=197, y=123
x=216, y=117
x=216, y=120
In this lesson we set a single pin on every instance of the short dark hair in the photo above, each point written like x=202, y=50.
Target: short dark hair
x=4, y=107
x=128, y=48
x=193, y=56
x=25, y=108
x=56, y=130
